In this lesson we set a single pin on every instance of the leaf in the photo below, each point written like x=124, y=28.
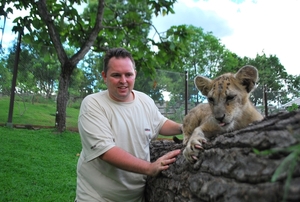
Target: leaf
x=287, y=161
x=289, y=176
x=265, y=152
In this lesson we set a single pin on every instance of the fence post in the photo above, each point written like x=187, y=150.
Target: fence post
x=186, y=91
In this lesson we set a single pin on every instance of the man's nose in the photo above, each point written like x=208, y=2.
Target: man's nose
x=123, y=79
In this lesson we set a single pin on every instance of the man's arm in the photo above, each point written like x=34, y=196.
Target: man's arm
x=125, y=161
x=171, y=128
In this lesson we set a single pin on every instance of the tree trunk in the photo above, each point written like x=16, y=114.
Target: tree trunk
x=62, y=97
x=229, y=170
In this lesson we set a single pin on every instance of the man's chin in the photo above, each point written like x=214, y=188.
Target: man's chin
x=122, y=97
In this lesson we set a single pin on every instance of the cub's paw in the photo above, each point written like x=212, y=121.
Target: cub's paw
x=193, y=148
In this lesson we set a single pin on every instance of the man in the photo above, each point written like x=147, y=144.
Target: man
x=116, y=127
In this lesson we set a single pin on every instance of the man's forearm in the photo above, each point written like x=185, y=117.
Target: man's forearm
x=171, y=128
x=125, y=161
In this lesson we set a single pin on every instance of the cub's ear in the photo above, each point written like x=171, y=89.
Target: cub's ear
x=247, y=76
x=203, y=84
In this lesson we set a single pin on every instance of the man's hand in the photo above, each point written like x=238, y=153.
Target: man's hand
x=124, y=160
x=163, y=162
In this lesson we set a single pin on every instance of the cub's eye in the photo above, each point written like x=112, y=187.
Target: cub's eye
x=230, y=97
x=210, y=99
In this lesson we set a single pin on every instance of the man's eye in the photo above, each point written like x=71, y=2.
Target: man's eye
x=230, y=97
x=129, y=75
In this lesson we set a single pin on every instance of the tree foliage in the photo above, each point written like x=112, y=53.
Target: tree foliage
x=5, y=77
x=37, y=72
x=58, y=24
x=273, y=79
x=199, y=52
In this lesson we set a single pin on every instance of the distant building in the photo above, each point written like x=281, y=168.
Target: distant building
x=295, y=101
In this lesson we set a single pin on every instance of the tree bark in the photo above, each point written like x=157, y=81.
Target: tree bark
x=61, y=102
x=228, y=169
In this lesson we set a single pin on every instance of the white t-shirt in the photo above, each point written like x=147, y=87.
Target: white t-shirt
x=104, y=123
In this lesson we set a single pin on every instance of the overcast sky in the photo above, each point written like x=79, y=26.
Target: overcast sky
x=245, y=27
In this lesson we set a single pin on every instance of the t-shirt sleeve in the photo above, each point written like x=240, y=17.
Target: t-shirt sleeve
x=94, y=129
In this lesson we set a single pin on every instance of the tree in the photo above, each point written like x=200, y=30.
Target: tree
x=198, y=52
x=274, y=81
x=38, y=70
x=58, y=24
x=5, y=77
x=86, y=79
x=293, y=86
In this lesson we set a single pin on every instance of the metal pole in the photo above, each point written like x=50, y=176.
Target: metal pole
x=186, y=91
x=265, y=100
x=13, y=83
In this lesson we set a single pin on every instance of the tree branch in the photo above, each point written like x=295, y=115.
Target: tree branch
x=93, y=35
x=55, y=38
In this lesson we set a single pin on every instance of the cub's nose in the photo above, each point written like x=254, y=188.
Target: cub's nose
x=220, y=118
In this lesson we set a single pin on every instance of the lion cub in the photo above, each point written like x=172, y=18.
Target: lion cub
x=228, y=108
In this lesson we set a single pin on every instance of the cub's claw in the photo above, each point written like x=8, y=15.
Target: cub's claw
x=198, y=147
x=193, y=148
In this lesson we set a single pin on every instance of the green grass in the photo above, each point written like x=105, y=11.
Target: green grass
x=38, y=113
x=38, y=165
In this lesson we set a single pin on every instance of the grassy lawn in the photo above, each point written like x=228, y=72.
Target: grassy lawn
x=37, y=113
x=38, y=165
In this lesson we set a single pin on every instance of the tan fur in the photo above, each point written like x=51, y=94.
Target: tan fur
x=228, y=108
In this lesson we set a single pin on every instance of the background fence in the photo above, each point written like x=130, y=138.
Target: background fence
x=173, y=94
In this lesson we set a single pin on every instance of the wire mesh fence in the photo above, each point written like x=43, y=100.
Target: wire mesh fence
x=173, y=92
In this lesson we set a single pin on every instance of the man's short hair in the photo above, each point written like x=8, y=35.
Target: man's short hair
x=118, y=53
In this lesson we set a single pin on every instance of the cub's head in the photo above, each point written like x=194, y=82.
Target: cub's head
x=228, y=94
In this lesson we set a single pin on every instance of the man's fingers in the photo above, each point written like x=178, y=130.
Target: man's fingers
x=173, y=153
x=170, y=157
x=167, y=159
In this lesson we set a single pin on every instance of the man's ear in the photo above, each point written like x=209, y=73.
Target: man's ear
x=104, y=76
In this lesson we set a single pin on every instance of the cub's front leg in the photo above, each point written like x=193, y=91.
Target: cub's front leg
x=194, y=145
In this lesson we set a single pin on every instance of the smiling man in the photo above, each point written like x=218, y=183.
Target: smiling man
x=116, y=127
x=120, y=78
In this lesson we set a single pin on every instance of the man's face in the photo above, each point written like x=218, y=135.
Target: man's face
x=120, y=79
